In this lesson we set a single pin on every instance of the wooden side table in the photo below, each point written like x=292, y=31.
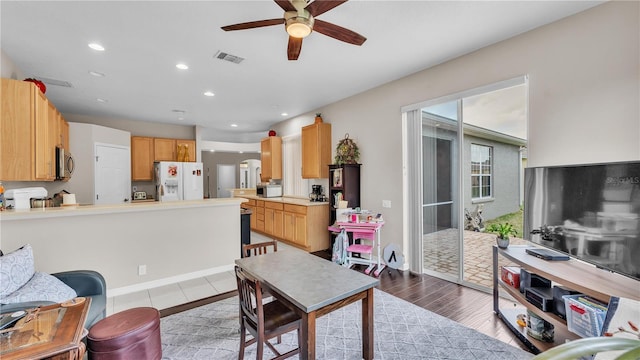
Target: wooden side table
x=54, y=332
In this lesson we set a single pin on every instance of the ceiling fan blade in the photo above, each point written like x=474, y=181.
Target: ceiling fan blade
x=322, y=6
x=338, y=32
x=253, y=24
x=293, y=50
x=286, y=5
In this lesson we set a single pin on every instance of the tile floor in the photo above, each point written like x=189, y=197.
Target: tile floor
x=183, y=292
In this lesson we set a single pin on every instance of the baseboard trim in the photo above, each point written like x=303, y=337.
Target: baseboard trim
x=167, y=281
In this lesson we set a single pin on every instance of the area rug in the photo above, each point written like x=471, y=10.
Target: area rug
x=402, y=331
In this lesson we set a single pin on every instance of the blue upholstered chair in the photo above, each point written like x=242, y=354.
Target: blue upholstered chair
x=21, y=287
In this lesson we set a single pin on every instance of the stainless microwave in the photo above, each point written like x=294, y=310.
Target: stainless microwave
x=64, y=164
x=269, y=190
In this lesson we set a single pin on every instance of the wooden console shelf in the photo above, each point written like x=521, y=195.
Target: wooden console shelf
x=585, y=278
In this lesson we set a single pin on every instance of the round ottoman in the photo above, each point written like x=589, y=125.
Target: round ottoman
x=129, y=334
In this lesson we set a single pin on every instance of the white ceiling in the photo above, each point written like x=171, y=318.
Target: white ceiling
x=144, y=40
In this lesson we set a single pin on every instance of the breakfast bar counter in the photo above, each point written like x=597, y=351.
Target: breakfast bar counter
x=134, y=246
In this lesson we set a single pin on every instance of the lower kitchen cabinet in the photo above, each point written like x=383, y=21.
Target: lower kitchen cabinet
x=303, y=226
x=259, y=216
x=273, y=219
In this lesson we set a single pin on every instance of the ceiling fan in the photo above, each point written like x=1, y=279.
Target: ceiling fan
x=299, y=19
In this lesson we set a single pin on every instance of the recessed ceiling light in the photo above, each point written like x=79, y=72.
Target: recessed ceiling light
x=284, y=114
x=208, y=93
x=96, y=46
x=180, y=118
x=241, y=152
x=182, y=66
x=97, y=74
x=234, y=125
x=102, y=100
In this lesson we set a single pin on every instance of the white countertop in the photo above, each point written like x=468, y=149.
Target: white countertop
x=81, y=210
x=287, y=200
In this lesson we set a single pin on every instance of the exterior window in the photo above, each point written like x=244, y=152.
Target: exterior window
x=481, y=170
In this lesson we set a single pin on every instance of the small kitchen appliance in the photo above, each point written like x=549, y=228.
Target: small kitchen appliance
x=316, y=193
x=20, y=199
x=269, y=190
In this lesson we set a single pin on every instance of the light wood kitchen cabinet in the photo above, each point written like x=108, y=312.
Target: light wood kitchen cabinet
x=145, y=150
x=18, y=116
x=45, y=133
x=186, y=150
x=63, y=130
x=273, y=218
x=295, y=224
x=30, y=129
x=251, y=205
x=174, y=150
x=141, y=158
x=316, y=150
x=164, y=149
x=259, y=216
x=271, y=158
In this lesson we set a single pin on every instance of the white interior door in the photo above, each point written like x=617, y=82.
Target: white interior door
x=226, y=180
x=113, y=174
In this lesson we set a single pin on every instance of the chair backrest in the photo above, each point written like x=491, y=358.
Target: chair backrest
x=259, y=248
x=250, y=295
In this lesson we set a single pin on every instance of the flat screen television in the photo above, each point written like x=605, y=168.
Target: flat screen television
x=590, y=212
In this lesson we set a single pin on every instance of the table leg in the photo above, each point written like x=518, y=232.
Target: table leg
x=308, y=346
x=367, y=325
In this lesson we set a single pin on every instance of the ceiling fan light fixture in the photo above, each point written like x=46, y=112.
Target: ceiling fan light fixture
x=299, y=27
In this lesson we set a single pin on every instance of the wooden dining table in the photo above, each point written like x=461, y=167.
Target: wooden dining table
x=313, y=287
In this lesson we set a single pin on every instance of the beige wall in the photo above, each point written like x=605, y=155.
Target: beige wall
x=583, y=100
x=175, y=242
x=137, y=128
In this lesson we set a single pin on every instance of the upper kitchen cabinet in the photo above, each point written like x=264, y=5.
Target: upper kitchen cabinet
x=29, y=129
x=18, y=116
x=146, y=150
x=271, y=158
x=164, y=149
x=186, y=150
x=142, y=158
x=174, y=150
x=316, y=150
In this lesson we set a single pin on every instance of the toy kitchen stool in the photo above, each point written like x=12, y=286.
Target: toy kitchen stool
x=370, y=233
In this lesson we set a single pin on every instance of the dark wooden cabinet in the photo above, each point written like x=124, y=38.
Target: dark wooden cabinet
x=343, y=179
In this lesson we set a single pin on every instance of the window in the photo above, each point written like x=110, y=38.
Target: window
x=481, y=170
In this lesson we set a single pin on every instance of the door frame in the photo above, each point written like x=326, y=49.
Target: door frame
x=127, y=168
x=412, y=168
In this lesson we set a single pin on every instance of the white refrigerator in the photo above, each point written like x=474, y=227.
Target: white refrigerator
x=178, y=180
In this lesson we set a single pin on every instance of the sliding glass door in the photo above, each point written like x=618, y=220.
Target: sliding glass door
x=439, y=190
x=464, y=159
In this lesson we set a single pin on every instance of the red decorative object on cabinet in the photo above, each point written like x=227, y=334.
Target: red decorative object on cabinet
x=39, y=84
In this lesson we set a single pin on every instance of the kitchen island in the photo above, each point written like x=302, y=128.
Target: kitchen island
x=167, y=241
x=295, y=221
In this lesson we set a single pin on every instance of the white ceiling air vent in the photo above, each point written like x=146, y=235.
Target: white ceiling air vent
x=228, y=57
x=54, y=82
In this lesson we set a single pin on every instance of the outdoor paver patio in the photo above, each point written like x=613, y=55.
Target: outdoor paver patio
x=441, y=254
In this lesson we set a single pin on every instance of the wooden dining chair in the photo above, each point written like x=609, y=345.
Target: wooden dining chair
x=263, y=321
x=259, y=248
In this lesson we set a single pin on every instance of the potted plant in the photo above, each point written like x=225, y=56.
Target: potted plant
x=504, y=231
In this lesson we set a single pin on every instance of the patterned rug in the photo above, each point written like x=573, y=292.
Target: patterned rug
x=402, y=331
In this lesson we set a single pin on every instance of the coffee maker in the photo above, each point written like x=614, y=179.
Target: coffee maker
x=316, y=193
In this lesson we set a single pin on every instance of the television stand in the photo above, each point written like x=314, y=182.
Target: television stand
x=576, y=275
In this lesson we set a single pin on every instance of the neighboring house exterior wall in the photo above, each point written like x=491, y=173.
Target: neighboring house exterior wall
x=505, y=178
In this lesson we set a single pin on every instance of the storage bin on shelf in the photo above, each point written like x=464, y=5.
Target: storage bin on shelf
x=585, y=316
